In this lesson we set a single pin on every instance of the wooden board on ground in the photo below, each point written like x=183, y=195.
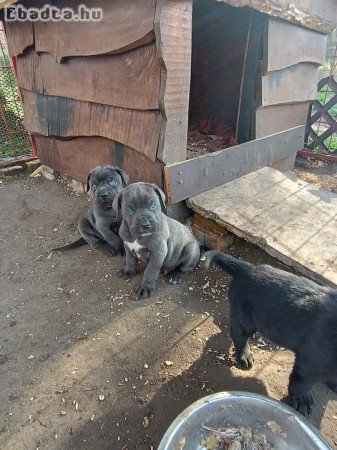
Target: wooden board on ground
x=286, y=85
x=191, y=177
x=289, y=44
x=290, y=219
x=20, y=35
x=126, y=24
x=65, y=117
x=173, y=29
x=320, y=15
x=128, y=80
x=76, y=157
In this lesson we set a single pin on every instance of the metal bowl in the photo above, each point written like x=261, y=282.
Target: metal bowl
x=282, y=426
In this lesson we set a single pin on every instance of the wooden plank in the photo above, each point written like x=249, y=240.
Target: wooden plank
x=191, y=177
x=293, y=84
x=173, y=30
x=245, y=129
x=218, y=55
x=19, y=35
x=76, y=157
x=288, y=44
x=108, y=79
x=273, y=119
x=125, y=25
x=320, y=15
x=292, y=220
x=64, y=117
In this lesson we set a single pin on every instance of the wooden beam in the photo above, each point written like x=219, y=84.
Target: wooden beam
x=173, y=30
x=288, y=44
x=194, y=176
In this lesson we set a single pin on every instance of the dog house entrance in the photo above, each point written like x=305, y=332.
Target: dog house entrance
x=226, y=50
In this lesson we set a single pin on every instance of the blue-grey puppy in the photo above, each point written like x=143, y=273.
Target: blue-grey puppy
x=99, y=226
x=163, y=243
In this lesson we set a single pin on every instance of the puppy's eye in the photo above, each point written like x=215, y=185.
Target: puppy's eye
x=129, y=210
x=153, y=205
x=93, y=186
x=113, y=183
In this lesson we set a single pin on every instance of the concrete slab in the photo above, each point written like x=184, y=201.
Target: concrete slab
x=289, y=218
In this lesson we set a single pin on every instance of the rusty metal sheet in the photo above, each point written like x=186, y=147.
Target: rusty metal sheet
x=128, y=80
x=76, y=157
x=126, y=24
x=194, y=176
x=64, y=117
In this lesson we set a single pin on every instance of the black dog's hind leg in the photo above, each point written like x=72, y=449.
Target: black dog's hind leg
x=240, y=338
x=301, y=382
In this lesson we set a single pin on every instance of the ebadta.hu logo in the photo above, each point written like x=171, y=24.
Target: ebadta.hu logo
x=52, y=13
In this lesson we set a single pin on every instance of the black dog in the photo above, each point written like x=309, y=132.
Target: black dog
x=292, y=311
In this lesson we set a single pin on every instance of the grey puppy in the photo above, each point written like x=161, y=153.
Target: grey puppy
x=149, y=235
x=99, y=226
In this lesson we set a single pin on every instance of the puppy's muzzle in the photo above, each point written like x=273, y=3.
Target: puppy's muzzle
x=145, y=225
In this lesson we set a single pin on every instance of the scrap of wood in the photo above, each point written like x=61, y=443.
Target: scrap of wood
x=128, y=80
x=65, y=117
x=125, y=25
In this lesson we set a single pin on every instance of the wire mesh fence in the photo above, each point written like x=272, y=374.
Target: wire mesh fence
x=321, y=135
x=14, y=139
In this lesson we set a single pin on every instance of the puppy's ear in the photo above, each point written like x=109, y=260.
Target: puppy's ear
x=161, y=196
x=124, y=176
x=117, y=205
x=88, y=179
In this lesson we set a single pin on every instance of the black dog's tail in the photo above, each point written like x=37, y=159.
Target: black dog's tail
x=232, y=266
x=71, y=246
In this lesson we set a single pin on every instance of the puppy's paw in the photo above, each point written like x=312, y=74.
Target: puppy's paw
x=302, y=403
x=332, y=384
x=146, y=289
x=107, y=249
x=126, y=273
x=175, y=277
x=246, y=359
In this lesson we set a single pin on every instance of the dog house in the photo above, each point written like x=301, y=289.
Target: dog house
x=185, y=94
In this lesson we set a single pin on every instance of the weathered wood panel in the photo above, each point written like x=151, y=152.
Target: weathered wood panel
x=128, y=80
x=320, y=15
x=219, y=41
x=173, y=30
x=192, y=177
x=273, y=119
x=76, y=157
x=59, y=116
x=20, y=35
x=125, y=25
x=295, y=84
x=288, y=44
x=290, y=219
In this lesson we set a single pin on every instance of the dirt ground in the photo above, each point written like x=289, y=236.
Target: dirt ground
x=85, y=365
x=319, y=173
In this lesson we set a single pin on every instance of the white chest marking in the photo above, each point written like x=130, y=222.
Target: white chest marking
x=134, y=246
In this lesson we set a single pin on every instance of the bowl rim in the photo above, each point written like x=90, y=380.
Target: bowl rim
x=212, y=398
